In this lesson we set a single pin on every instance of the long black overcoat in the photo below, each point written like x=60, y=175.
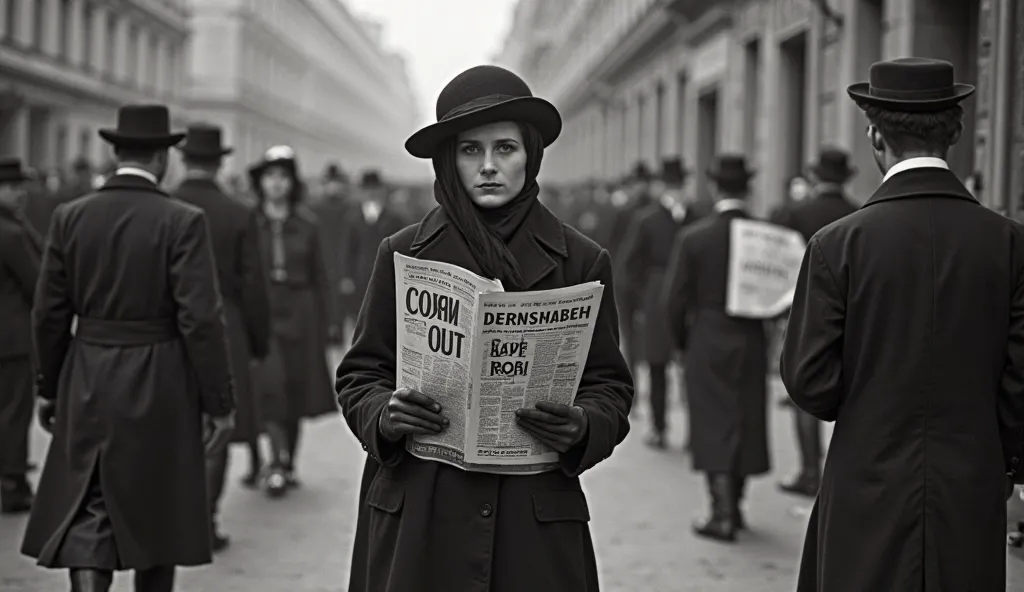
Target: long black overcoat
x=425, y=526
x=363, y=239
x=234, y=235
x=907, y=330
x=129, y=257
x=301, y=309
x=726, y=358
x=19, y=271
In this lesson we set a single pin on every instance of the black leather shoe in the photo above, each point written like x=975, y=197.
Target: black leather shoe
x=721, y=526
x=804, y=486
x=218, y=541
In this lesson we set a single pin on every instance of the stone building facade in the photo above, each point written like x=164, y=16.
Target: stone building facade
x=305, y=73
x=65, y=66
x=643, y=79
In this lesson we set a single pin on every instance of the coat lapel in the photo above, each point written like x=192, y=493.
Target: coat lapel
x=921, y=182
x=534, y=245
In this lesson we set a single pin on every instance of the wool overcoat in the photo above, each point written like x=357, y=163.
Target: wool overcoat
x=907, y=331
x=425, y=526
x=301, y=310
x=135, y=266
x=234, y=235
x=363, y=239
x=726, y=358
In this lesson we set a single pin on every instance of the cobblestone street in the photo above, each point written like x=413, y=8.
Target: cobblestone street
x=642, y=503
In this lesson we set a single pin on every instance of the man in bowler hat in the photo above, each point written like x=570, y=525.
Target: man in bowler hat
x=20, y=250
x=828, y=203
x=234, y=234
x=907, y=330
x=645, y=253
x=372, y=222
x=144, y=383
x=336, y=213
x=725, y=357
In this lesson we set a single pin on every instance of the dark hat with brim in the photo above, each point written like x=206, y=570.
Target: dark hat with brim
x=142, y=126
x=204, y=141
x=640, y=173
x=11, y=171
x=833, y=166
x=371, y=180
x=281, y=155
x=916, y=85
x=672, y=171
x=730, y=172
x=483, y=95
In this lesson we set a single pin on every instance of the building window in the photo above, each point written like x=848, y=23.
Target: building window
x=64, y=28
x=86, y=35
x=152, y=67
x=85, y=142
x=111, y=50
x=39, y=26
x=131, y=63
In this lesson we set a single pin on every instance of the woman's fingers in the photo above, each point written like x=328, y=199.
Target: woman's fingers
x=540, y=416
x=544, y=436
x=417, y=411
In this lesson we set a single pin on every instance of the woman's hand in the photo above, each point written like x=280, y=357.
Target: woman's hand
x=410, y=412
x=559, y=426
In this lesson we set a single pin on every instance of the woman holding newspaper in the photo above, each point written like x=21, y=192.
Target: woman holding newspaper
x=425, y=524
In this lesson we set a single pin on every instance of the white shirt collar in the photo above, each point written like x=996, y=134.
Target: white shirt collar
x=728, y=204
x=138, y=173
x=920, y=162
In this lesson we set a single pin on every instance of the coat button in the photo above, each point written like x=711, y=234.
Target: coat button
x=485, y=510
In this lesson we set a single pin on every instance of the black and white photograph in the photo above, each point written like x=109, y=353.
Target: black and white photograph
x=511, y=295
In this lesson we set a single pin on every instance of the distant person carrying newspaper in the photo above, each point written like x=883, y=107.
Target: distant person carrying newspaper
x=491, y=373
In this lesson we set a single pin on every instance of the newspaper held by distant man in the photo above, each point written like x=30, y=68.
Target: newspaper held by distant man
x=764, y=261
x=482, y=353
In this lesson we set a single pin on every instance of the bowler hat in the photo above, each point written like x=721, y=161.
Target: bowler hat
x=142, y=126
x=333, y=172
x=672, y=171
x=10, y=170
x=371, y=179
x=730, y=171
x=482, y=95
x=833, y=166
x=203, y=141
x=640, y=172
x=911, y=84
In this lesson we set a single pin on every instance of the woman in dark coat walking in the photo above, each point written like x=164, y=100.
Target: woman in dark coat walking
x=294, y=378
x=424, y=525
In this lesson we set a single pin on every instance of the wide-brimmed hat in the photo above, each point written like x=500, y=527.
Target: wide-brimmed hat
x=279, y=155
x=371, y=179
x=142, y=126
x=11, y=171
x=672, y=171
x=204, y=141
x=730, y=170
x=911, y=84
x=482, y=95
x=833, y=166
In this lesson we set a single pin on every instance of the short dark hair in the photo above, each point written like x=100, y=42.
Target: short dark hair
x=203, y=162
x=136, y=154
x=921, y=132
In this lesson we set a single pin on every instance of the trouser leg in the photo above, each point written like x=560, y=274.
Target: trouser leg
x=293, y=434
x=16, y=410
x=216, y=472
x=90, y=580
x=155, y=579
x=809, y=436
x=659, y=388
x=721, y=525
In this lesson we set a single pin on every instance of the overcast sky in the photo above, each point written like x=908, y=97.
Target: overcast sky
x=439, y=38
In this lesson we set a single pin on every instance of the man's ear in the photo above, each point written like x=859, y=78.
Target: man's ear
x=957, y=133
x=876, y=138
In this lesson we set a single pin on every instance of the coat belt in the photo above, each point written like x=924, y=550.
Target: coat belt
x=126, y=333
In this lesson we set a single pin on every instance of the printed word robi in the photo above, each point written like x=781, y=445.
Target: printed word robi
x=437, y=307
x=537, y=317
x=509, y=349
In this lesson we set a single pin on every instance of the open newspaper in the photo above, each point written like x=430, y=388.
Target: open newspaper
x=482, y=353
x=764, y=262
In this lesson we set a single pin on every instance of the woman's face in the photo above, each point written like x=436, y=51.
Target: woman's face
x=798, y=188
x=492, y=163
x=276, y=183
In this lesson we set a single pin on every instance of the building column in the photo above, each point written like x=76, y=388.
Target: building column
x=160, y=73
x=98, y=58
x=120, y=57
x=77, y=52
x=5, y=27
x=51, y=26
x=143, y=75
x=24, y=30
x=15, y=138
x=670, y=135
